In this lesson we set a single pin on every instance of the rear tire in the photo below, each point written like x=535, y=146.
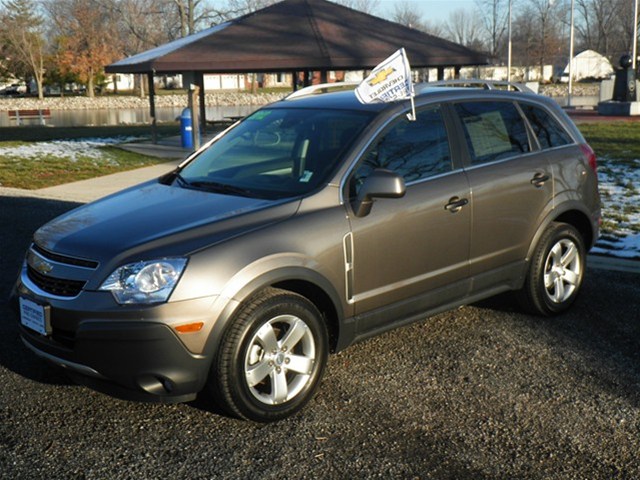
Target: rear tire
x=556, y=271
x=272, y=357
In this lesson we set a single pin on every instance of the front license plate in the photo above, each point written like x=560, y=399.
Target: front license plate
x=34, y=316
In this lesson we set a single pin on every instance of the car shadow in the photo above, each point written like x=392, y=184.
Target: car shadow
x=20, y=217
x=598, y=338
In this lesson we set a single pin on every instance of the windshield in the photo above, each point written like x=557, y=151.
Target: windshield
x=276, y=153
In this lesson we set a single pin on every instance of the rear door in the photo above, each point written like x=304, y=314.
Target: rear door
x=511, y=189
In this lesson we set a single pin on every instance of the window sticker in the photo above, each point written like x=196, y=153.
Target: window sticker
x=260, y=114
x=488, y=134
x=306, y=176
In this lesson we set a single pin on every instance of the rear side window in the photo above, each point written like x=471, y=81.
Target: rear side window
x=549, y=132
x=493, y=130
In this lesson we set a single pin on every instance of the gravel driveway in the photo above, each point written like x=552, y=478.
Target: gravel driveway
x=479, y=392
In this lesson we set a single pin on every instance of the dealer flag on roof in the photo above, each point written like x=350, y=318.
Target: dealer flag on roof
x=388, y=82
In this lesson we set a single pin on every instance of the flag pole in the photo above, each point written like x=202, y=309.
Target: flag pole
x=412, y=116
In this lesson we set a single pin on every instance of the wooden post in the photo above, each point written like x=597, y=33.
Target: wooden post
x=194, y=92
x=152, y=106
x=201, y=102
x=141, y=81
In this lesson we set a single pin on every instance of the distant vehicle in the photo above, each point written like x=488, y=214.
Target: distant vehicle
x=15, y=89
x=313, y=223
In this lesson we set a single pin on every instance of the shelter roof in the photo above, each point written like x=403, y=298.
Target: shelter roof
x=298, y=35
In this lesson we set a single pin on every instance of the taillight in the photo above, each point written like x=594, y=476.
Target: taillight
x=591, y=156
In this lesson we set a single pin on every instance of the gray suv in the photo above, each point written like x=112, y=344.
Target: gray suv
x=312, y=224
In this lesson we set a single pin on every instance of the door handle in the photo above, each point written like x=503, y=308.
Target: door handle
x=539, y=179
x=455, y=204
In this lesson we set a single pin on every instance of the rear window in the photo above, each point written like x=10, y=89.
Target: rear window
x=548, y=131
x=493, y=130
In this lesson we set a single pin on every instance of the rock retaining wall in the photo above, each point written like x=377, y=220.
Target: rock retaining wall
x=212, y=99
x=114, y=102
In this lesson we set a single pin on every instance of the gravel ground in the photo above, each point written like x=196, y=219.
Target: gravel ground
x=481, y=392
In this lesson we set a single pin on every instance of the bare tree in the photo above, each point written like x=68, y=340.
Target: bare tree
x=625, y=40
x=493, y=15
x=24, y=41
x=406, y=14
x=465, y=28
x=236, y=8
x=143, y=24
x=366, y=6
x=544, y=45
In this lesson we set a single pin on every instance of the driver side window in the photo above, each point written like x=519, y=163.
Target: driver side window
x=414, y=149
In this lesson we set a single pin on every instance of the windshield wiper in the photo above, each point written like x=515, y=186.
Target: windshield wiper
x=181, y=180
x=218, y=187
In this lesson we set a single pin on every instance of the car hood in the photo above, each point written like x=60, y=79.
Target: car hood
x=153, y=220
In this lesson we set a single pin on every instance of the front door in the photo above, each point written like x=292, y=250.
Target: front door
x=410, y=254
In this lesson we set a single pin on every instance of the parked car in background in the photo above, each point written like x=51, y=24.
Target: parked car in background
x=14, y=89
x=313, y=223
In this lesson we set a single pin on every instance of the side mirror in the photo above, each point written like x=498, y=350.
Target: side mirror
x=380, y=184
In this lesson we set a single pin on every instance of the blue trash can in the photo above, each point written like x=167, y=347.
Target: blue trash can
x=186, y=129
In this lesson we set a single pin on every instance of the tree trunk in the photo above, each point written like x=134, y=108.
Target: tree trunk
x=40, y=90
x=90, y=92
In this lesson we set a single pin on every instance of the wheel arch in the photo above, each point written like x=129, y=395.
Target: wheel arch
x=581, y=222
x=572, y=215
x=323, y=302
x=302, y=281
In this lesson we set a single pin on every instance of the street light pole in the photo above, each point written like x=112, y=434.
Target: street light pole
x=635, y=34
x=509, y=45
x=571, y=55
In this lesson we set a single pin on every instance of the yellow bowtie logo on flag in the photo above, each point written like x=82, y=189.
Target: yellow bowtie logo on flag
x=390, y=81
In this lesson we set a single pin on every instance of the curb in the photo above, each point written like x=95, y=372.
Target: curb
x=616, y=264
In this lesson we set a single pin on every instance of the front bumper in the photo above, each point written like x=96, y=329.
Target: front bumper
x=129, y=352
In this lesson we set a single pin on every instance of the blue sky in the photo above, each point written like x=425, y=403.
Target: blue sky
x=434, y=10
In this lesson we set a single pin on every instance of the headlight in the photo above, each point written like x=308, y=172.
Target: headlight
x=145, y=282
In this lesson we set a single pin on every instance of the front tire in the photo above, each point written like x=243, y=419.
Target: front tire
x=272, y=357
x=556, y=272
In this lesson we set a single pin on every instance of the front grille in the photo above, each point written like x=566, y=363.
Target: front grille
x=55, y=286
x=78, y=262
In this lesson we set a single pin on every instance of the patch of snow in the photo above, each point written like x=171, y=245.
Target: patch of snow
x=620, y=194
x=71, y=150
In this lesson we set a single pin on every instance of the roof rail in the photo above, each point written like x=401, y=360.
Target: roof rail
x=476, y=83
x=322, y=88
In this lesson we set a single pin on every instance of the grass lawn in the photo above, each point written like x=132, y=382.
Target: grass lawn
x=617, y=146
x=39, y=157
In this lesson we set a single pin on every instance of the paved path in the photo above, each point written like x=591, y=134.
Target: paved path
x=94, y=188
